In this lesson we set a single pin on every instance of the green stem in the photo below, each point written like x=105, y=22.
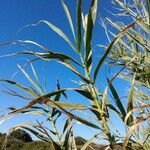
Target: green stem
x=95, y=97
x=55, y=130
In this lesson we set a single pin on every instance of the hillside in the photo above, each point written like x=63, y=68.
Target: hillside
x=15, y=144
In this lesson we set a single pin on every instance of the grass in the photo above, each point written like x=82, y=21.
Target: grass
x=15, y=144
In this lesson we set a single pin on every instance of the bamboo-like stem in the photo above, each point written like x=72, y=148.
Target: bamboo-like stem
x=95, y=98
x=55, y=130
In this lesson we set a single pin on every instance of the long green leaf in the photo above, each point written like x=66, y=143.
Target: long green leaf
x=117, y=99
x=38, y=135
x=30, y=80
x=26, y=127
x=66, y=125
x=85, y=93
x=89, y=27
x=66, y=144
x=78, y=118
x=23, y=88
x=148, y=9
x=32, y=43
x=44, y=100
x=50, y=55
x=63, y=59
x=36, y=77
x=57, y=98
x=67, y=105
x=59, y=32
x=115, y=110
x=79, y=24
x=130, y=103
x=89, y=24
x=69, y=18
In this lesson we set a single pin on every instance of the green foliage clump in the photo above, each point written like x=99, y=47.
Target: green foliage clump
x=15, y=144
x=20, y=135
x=11, y=144
x=37, y=145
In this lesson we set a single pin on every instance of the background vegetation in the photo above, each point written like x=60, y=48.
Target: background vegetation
x=21, y=140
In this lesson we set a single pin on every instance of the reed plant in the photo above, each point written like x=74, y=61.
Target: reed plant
x=128, y=49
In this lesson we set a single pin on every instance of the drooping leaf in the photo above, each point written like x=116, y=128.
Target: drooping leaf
x=55, y=145
x=50, y=55
x=58, y=31
x=110, y=48
x=63, y=59
x=32, y=43
x=85, y=93
x=23, y=88
x=66, y=105
x=59, y=105
x=34, y=132
x=72, y=116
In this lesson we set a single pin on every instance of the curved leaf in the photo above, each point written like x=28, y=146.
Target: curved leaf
x=110, y=48
x=85, y=93
x=23, y=88
x=66, y=105
x=58, y=31
x=44, y=100
x=63, y=59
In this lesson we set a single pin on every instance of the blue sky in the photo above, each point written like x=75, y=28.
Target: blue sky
x=15, y=14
